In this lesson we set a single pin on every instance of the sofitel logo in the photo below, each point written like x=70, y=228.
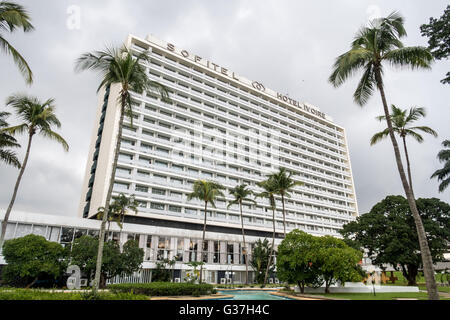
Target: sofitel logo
x=258, y=86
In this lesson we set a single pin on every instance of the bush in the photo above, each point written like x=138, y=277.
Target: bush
x=24, y=294
x=163, y=288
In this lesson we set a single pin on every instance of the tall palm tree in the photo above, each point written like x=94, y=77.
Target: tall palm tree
x=270, y=190
x=38, y=118
x=208, y=192
x=13, y=16
x=374, y=45
x=118, y=66
x=443, y=174
x=284, y=184
x=241, y=194
x=7, y=141
x=401, y=121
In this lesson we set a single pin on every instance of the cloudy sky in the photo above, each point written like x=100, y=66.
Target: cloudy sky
x=289, y=46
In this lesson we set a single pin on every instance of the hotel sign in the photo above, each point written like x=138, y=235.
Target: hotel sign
x=255, y=84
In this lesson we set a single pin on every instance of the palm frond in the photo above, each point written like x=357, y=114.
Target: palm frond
x=56, y=137
x=410, y=57
x=20, y=61
x=10, y=158
x=377, y=137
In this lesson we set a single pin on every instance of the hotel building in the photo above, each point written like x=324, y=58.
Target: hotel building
x=222, y=127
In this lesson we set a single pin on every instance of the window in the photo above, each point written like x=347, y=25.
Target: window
x=174, y=208
x=157, y=206
x=141, y=188
x=159, y=191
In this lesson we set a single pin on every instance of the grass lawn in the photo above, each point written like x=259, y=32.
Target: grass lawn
x=440, y=289
x=378, y=296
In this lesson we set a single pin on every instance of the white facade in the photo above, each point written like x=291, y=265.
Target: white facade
x=223, y=127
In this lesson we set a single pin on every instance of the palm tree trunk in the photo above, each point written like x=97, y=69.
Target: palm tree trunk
x=284, y=214
x=271, y=250
x=16, y=188
x=408, y=165
x=424, y=249
x=203, y=241
x=243, y=239
x=101, y=240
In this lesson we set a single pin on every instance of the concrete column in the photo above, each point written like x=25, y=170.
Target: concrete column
x=223, y=252
x=236, y=252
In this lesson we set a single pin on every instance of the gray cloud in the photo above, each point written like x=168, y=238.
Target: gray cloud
x=290, y=46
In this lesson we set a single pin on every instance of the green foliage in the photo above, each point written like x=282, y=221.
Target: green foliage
x=337, y=262
x=389, y=233
x=114, y=262
x=297, y=260
x=438, y=34
x=260, y=259
x=207, y=191
x=163, y=288
x=161, y=273
x=374, y=45
x=14, y=16
x=38, y=117
x=7, y=141
x=31, y=257
x=443, y=175
x=310, y=261
x=26, y=294
x=401, y=121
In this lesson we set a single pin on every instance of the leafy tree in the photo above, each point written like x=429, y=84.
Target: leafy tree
x=119, y=67
x=443, y=175
x=373, y=46
x=38, y=118
x=208, y=192
x=260, y=260
x=335, y=261
x=438, y=34
x=31, y=257
x=387, y=233
x=296, y=260
x=161, y=273
x=241, y=193
x=284, y=184
x=270, y=189
x=7, y=141
x=12, y=17
x=84, y=254
x=401, y=121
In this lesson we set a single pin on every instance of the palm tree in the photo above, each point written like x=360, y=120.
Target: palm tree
x=373, y=46
x=118, y=66
x=14, y=16
x=38, y=118
x=400, y=124
x=443, y=174
x=7, y=141
x=241, y=193
x=208, y=192
x=270, y=189
x=121, y=204
x=284, y=184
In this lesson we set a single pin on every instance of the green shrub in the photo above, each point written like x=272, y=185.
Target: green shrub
x=163, y=288
x=24, y=294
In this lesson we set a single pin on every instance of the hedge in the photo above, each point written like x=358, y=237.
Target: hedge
x=163, y=288
x=33, y=294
